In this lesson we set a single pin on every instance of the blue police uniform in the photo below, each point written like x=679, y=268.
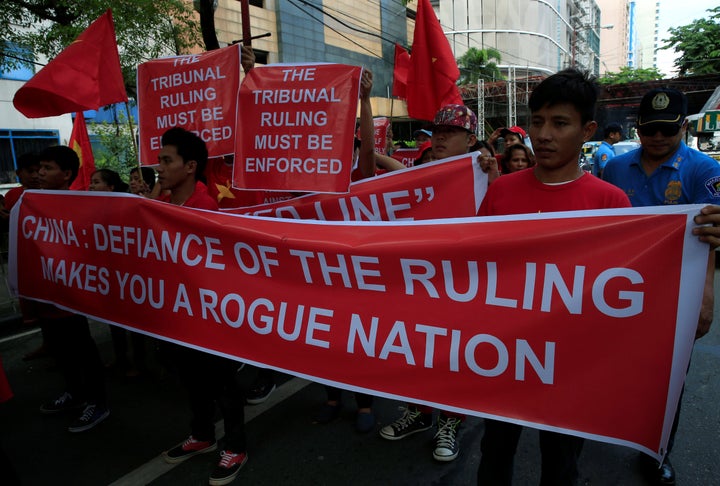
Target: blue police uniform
x=602, y=156
x=688, y=177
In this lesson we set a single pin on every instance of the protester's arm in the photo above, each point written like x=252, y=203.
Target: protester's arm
x=494, y=136
x=708, y=301
x=489, y=165
x=247, y=58
x=388, y=163
x=366, y=159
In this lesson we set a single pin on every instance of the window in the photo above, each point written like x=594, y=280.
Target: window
x=17, y=63
x=14, y=143
x=257, y=3
x=261, y=57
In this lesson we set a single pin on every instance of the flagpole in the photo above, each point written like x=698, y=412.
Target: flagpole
x=132, y=136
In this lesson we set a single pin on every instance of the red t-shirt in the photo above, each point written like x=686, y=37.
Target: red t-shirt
x=521, y=192
x=12, y=196
x=199, y=199
x=5, y=391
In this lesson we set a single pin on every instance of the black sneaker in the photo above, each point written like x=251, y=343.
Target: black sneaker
x=63, y=403
x=228, y=468
x=190, y=447
x=446, y=443
x=260, y=393
x=91, y=416
x=411, y=422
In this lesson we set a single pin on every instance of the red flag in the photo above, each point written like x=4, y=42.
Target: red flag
x=400, y=72
x=80, y=143
x=84, y=76
x=433, y=70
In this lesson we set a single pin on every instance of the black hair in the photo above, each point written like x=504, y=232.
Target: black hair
x=27, y=160
x=148, y=175
x=567, y=86
x=507, y=155
x=612, y=128
x=189, y=146
x=112, y=178
x=64, y=157
x=482, y=144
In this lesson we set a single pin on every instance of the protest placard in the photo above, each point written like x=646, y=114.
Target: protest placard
x=297, y=123
x=381, y=125
x=197, y=92
x=407, y=155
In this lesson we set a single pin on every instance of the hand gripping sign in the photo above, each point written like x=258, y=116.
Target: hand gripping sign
x=197, y=92
x=297, y=123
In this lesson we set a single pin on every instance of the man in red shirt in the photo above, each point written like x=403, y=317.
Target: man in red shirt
x=208, y=379
x=67, y=334
x=562, y=119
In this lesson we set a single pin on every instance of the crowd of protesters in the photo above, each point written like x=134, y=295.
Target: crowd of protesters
x=535, y=171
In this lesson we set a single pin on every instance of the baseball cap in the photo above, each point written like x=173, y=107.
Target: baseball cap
x=514, y=129
x=456, y=116
x=663, y=105
x=422, y=131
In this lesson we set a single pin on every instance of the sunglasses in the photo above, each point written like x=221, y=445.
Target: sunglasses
x=666, y=130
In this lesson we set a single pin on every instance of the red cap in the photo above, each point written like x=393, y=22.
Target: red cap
x=516, y=129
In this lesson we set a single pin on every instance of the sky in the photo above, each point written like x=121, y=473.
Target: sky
x=675, y=13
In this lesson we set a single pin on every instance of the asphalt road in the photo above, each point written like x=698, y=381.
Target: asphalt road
x=149, y=415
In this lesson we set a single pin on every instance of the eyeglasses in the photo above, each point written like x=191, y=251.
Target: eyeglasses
x=666, y=130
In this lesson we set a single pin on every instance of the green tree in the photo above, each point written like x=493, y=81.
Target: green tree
x=116, y=150
x=479, y=64
x=145, y=29
x=631, y=75
x=698, y=44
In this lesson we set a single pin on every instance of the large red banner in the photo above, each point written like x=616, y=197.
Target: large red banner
x=451, y=188
x=561, y=321
x=297, y=126
x=197, y=92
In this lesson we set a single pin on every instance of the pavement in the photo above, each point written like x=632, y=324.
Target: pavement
x=149, y=415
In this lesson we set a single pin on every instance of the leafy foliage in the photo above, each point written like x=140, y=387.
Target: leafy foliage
x=698, y=44
x=631, y=75
x=479, y=64
x=145, y=29
x=116, y=150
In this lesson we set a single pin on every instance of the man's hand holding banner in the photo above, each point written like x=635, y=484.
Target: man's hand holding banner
x=562, y=321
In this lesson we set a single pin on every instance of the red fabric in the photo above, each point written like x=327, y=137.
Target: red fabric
x=199, y=199
x=433, y=70
x=12, y=196
x=521, y=192
x=219, y=185
x=400, y=72
x=5, y=391
x=561, y=322
x=84, y=76
x=80, y=143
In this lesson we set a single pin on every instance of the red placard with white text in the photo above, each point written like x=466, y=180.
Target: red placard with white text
x=297, y=123
x=381, y=125
x=406, y=155
x=197, y=92
x=561, y=321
